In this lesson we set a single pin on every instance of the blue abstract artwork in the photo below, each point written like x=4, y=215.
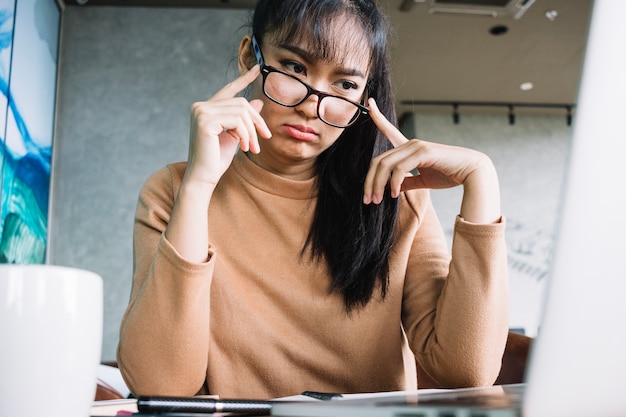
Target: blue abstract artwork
x=28, y=64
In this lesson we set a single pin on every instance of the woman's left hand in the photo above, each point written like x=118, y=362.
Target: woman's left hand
x=439, y=166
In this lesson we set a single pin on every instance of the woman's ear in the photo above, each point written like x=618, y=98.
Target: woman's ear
x=246, y=58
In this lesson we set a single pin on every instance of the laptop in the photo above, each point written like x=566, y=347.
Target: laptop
x=577, y=365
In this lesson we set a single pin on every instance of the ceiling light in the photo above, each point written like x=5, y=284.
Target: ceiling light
x=551, y=15
x=526, y=86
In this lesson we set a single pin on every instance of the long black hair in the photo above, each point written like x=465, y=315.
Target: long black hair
x=355, y=239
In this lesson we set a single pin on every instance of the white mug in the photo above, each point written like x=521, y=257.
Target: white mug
x=50, y=340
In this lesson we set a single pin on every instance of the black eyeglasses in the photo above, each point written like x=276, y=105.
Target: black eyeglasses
x=290, y=91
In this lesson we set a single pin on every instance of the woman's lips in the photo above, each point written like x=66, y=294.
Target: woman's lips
x=301, y=132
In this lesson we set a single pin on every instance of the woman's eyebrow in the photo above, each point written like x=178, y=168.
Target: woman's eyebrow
x=310, y=59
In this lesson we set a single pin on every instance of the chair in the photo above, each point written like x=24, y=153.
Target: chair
x=104, y=391
x=513, y=367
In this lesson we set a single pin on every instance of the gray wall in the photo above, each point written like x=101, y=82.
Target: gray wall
x=127, y=80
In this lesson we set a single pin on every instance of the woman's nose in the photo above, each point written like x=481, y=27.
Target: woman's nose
x=309, y=106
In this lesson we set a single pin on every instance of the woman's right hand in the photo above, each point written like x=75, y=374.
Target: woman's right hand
x=221, y=123
x=218, y=125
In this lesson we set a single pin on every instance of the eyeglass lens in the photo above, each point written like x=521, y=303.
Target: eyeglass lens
x=289, y=91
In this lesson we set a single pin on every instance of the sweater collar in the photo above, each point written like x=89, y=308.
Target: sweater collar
x=270, y=182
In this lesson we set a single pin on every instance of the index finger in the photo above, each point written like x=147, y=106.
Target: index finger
x=238, y=84
x=385, y=126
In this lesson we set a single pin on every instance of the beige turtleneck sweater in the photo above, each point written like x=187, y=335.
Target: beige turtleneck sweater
x=256, y=320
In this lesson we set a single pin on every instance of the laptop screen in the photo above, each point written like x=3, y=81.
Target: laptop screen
x=577, y=365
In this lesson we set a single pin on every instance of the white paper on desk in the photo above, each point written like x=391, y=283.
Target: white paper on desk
x=112, y=407
x=111, y=377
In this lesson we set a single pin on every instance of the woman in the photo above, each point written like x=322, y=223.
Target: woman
x=292, y=251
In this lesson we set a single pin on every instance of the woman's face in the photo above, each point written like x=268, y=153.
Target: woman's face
x=299, y=136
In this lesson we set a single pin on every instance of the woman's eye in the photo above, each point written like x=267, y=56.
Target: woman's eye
x=294, y=67
x=347, y=85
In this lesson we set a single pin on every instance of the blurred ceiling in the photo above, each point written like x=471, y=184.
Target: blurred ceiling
x=464, y=57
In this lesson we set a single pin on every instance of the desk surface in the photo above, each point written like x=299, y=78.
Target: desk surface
x=379, y=404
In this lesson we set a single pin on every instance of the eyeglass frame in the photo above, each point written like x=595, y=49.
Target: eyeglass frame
x=267, y=69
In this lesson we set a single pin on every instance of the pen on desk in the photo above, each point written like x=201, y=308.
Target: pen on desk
x=154, y=404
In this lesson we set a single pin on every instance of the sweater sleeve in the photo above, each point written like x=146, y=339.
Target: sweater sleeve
x=455, y=309
x=164, y=333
